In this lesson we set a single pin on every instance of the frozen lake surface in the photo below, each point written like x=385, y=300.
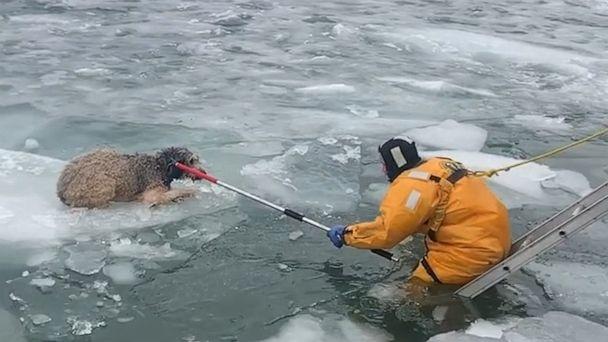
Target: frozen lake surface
x=290, y=99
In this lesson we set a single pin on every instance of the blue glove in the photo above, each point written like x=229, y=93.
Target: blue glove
x=336, y=235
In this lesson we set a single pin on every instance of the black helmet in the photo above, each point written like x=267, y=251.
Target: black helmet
x=399, y=154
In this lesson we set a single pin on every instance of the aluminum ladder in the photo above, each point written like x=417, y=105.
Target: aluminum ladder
x=581, y=214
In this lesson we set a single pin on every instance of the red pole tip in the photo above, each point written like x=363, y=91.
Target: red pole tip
x=198, y=174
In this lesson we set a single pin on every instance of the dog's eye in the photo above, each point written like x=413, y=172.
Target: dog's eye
x=191, y=160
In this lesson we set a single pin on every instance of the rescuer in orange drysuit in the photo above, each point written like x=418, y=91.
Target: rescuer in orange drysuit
x=466, y=225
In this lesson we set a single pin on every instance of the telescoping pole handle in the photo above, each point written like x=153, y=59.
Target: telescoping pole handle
x=294, y=215
x=385, y=254
x=300, y=217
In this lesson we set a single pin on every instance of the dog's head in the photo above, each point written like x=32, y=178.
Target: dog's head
x=169, y=156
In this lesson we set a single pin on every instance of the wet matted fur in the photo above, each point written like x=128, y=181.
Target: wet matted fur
x=100, y=177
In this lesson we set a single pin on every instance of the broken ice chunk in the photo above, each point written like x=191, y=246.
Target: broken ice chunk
x=125, y=319
x=80, y=328
x=293, y=236
x=284, y=268
x=121, y=273
x=186, y=232
x=40, y=282
x=16, y=299
x=31, y=144
x=101, y=287
x=39, y=319
x=439, y=313
x=85, y=258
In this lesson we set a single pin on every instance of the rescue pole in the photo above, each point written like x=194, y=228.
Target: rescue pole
x=294, y=215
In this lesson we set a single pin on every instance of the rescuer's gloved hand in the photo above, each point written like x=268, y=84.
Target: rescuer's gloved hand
x=336, y=235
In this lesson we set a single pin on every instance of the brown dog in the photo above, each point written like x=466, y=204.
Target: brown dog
x=97, y=178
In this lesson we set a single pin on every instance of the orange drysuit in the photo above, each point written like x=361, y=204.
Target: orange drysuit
x=467, y=226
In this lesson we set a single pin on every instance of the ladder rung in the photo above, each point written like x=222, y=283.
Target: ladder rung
x=561, y=216
x=567, y=222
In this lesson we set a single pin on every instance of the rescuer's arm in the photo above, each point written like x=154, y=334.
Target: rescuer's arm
x=403, y=211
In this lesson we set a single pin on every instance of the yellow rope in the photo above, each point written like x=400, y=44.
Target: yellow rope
x=493, y=172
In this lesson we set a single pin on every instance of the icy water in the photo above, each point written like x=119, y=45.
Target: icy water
x=289, y=99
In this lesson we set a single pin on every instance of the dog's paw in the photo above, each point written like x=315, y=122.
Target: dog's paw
x=179, y=199
x=75, y=211
x=178, y=195
x=188, y=192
